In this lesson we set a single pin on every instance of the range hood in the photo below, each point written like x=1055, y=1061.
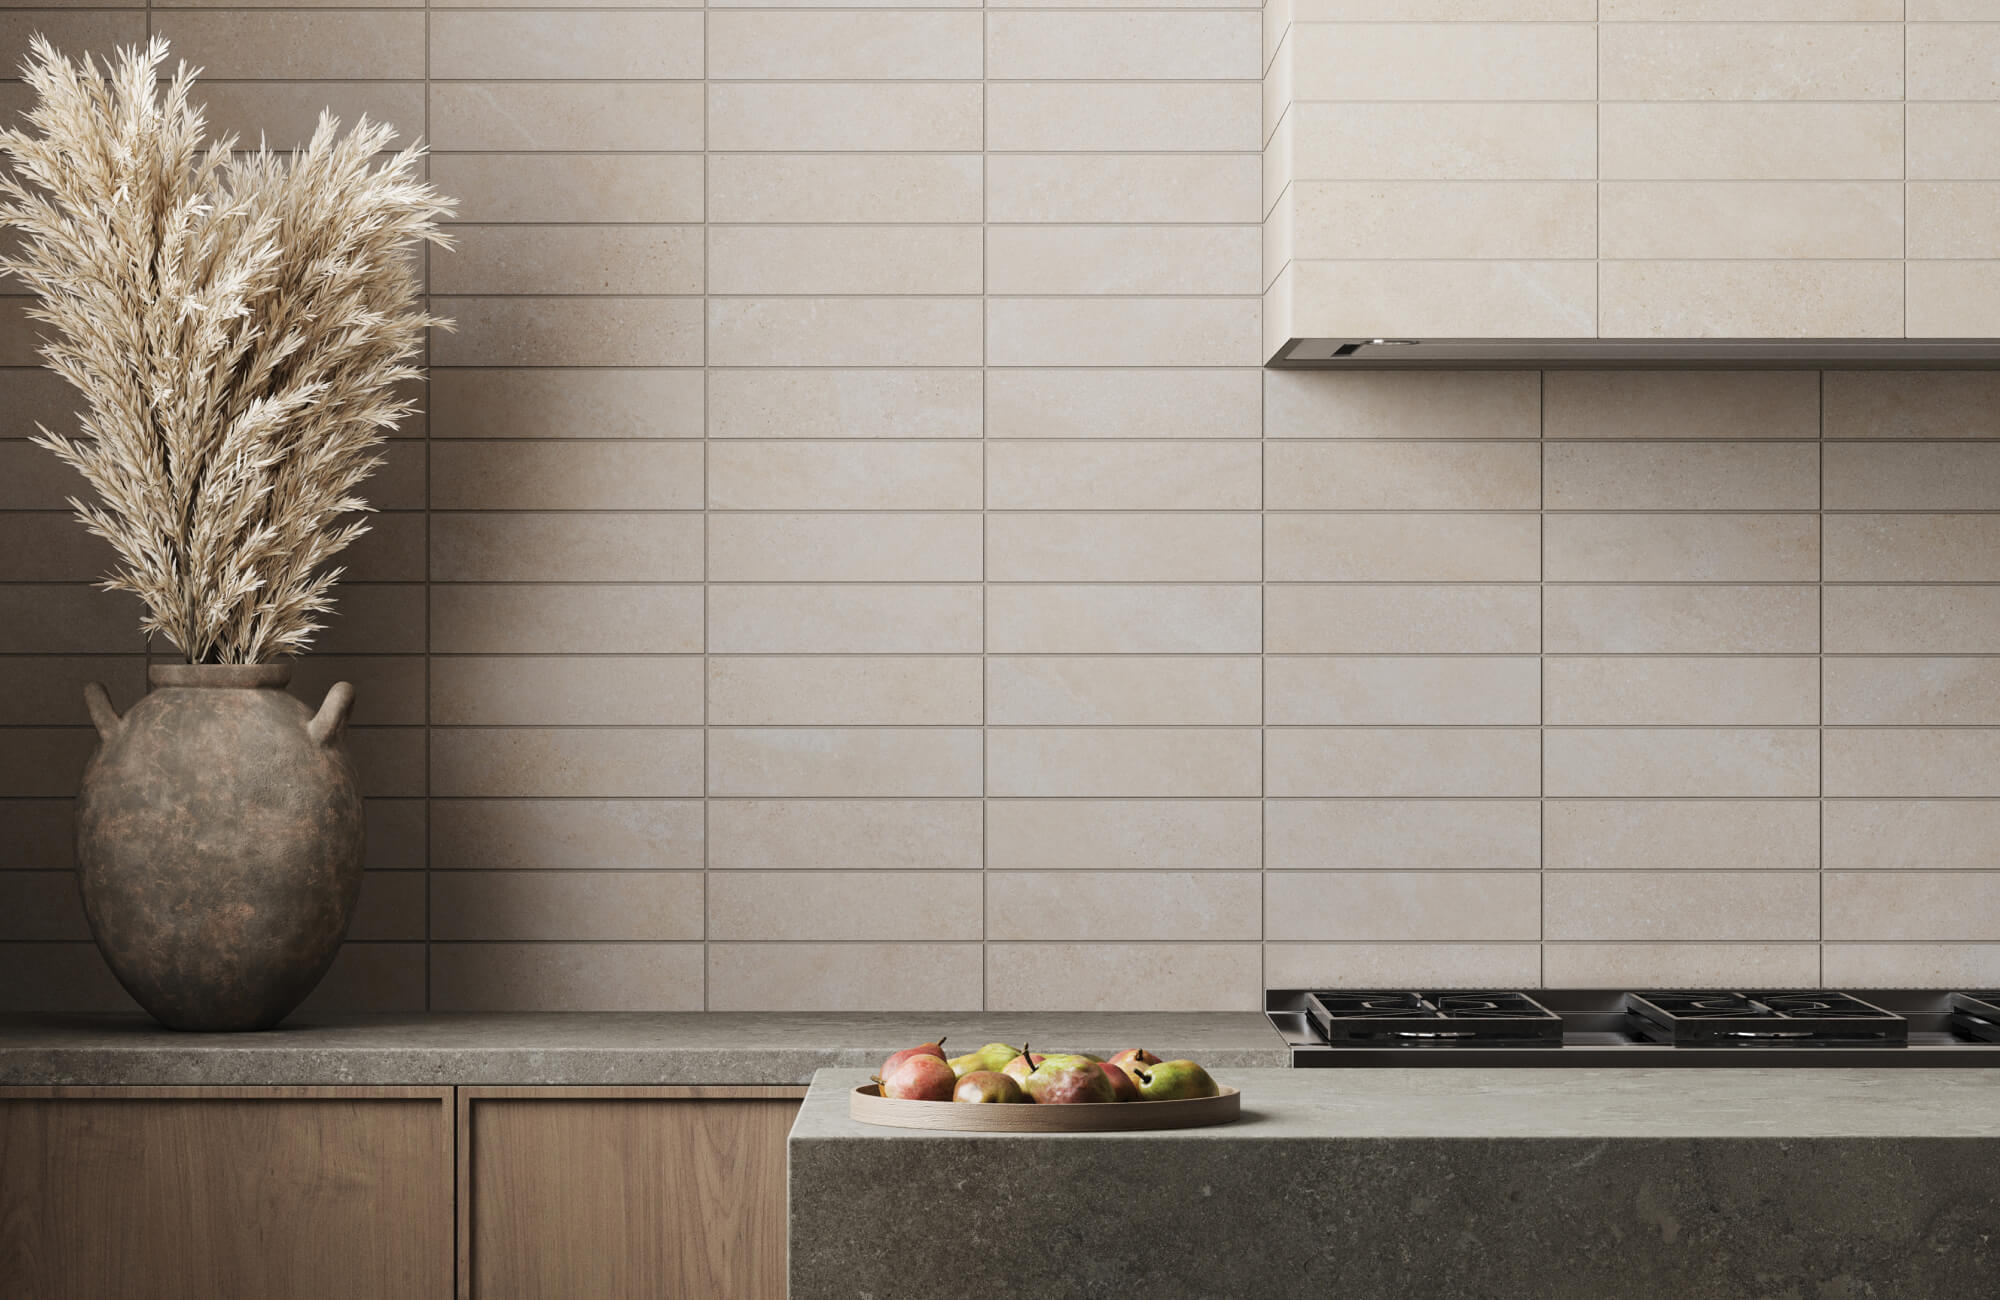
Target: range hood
x=1805, y=192
x=1637, y=354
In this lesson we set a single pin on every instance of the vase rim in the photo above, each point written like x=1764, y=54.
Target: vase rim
x=214, y=676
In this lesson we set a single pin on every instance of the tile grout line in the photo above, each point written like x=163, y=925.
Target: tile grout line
x=707, y=167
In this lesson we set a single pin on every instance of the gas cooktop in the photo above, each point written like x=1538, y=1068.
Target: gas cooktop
x=1706, y=1027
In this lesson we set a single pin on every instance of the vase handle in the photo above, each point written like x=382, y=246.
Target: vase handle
x=102, y=715
x=332, y=716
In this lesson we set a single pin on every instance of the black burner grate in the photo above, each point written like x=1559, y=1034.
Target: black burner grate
x=1362, y=1018
x=1810, y=1018
x=1977, y=1015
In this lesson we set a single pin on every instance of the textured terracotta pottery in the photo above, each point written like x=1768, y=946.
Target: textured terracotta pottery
x=218, y=843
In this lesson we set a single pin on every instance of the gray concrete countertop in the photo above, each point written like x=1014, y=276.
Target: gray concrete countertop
x=584, y=1047
x=1415, y=1184
x=1342, y=1105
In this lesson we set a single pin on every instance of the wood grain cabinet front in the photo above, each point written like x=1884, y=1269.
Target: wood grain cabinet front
x=624, y=1192
x=199, y=1193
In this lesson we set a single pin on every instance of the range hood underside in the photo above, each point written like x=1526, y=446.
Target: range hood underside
x=1638, y=354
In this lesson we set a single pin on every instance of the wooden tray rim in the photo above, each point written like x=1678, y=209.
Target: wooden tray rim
x=867, y=1104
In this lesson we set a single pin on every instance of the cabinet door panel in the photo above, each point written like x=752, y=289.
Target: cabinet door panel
x=629, y=1192
x=198, y=1193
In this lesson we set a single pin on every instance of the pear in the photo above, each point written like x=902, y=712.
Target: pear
x=1068, y=1080
x=1173, y=1081
x=993, y=1056
x=1122, y=1086
x=1132, y=1058
x=923, y=1049
x=918, y=1078
x=988, y=1086
x=1022, y=1065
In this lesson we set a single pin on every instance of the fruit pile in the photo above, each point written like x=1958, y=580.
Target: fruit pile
x=999, y=1073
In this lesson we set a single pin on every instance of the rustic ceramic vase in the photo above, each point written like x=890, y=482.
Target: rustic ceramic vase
x=218, y=843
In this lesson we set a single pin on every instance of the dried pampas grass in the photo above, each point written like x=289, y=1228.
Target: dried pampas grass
x=242, y=329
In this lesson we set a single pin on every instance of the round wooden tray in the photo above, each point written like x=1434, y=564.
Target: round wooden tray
x=867, y=1104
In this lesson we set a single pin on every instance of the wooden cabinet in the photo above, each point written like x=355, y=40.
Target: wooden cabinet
x=202, y=1193
x=349, y=1193
x=623, y=1191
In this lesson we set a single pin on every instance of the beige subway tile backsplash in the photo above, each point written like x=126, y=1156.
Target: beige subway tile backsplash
x=850, y=554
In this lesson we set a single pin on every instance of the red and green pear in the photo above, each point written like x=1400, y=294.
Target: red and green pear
x=922, y=1049
x=1134, y=1057
x=993, y=1056
x=1069, y=1080
x=918, y=1078
x=1122, y=1087
x=989, y=1086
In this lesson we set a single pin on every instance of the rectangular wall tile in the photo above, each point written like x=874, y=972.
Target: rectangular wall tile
x=801, y=187
x=549, y=618
x=566, y=977
x=566, y=690
x=840, y=976
x=583, y=404
x=1093, y=906
x=1163, y=762
x=749, y=45
x=1401, y=548
x=1122, y=547
x=1685, y=762
x=844, y=834
x=812, y=116
x=559, y=762
x=565, y=44
x=566, y=905
x=1912, y=761
x=1402, y=905
x=1372, y=965
x=1123, y=977
x=850, y=618
x=1683, y=548
x=1681, y=905
x=1910, y=834
x=845, y=905
x=1387, y=404
x=843, y=331
x=1122, y=187
x=1488, y=762
x=1911, y=905
x=1117, y=690
x=1123, y=834
x=1163, y=618
x=559, y=547
x=846, y=475
x=1402, y=834
x=1450, y=142
x=843, y=404
x=1632, y=964
x=849, y=547
x=1122, y=475
x=1420, y=475
x=1667, y=404
x=843, y=259
x=1680, y=834
x=1681, y=476
x=1389, y=618
x=1054, y=116
x=1683, y=619
x=1382, y=690
x=802, y=762
x=845, y=690
x=1640, y=690
x=565, y=834
x=1122, y=403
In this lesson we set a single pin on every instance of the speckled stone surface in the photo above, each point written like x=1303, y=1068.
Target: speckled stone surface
x=581, y=1048
x=1798, y=1184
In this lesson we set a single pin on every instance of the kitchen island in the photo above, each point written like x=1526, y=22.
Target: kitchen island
x=1392, y=1184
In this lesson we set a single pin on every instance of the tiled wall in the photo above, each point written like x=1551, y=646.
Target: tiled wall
x=853, y=560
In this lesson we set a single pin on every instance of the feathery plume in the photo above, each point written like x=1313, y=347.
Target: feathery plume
x=243, y=328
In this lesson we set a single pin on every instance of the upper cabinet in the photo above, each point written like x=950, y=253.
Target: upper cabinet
x=1631, y=169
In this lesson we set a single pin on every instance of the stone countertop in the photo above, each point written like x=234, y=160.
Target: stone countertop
x=585, y=1047
x=1590, y=1104
x=1394, y=1184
